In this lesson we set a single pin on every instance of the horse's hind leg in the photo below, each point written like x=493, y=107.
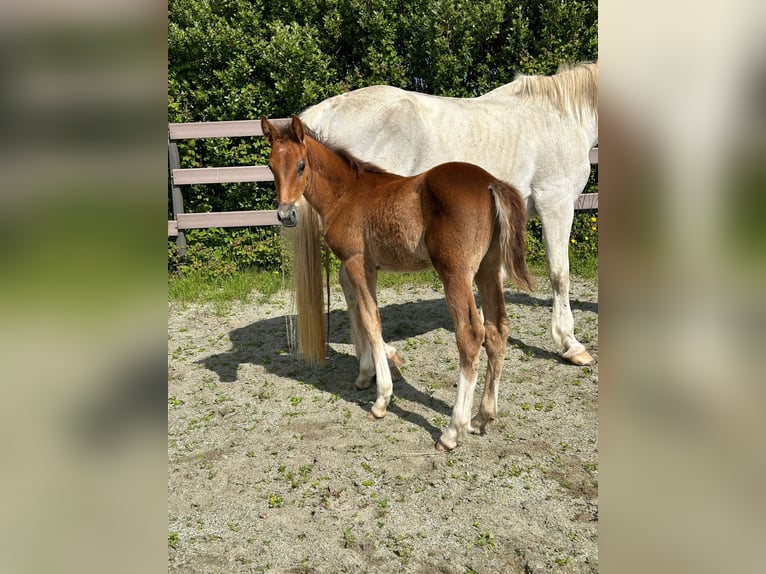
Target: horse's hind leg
x=469, y=333
x=361, y=345
x=557, y=225
x=496, y=330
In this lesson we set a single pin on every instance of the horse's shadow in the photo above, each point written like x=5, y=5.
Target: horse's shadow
x=264, y=343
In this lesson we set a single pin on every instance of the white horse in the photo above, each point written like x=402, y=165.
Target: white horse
x=535, y=133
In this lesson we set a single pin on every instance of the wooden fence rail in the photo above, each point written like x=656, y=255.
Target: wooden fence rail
x=240, y=174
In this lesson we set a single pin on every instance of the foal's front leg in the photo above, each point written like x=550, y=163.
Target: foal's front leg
x=369, y=339
x=360, y=340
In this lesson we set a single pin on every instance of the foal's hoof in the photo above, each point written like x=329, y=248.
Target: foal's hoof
x=396, y=360
x=479, y=425
x=580, y=359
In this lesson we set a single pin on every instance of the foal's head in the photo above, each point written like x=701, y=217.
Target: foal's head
x=287, y=162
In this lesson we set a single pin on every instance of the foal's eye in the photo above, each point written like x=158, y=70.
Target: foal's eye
x=301, y=166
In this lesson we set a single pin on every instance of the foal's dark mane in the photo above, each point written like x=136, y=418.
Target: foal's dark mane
x=354, y=163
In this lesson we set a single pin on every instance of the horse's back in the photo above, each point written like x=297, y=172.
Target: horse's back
x=523, y=140
x=373, y=123
x=403, y=132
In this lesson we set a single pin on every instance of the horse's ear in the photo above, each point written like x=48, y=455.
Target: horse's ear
x=267, y=129
x=298, y=128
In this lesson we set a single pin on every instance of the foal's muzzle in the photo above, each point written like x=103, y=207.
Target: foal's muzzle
x=287, y=214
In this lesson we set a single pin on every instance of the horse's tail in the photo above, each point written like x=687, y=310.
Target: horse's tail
x=307, y=283
x=512, y=216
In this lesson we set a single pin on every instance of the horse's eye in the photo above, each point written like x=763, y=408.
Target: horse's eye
x=301, y=166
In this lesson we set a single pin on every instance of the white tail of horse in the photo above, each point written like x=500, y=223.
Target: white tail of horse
x=307, y=284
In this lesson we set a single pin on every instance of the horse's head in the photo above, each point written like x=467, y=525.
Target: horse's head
x=287, y=162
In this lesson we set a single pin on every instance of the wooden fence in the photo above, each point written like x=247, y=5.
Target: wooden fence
x=192, y=176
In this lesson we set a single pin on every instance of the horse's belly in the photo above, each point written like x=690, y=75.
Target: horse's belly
x=402, y=256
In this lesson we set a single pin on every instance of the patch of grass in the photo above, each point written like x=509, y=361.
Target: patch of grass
x=295, y=401
x=440, y=422
x=173, y=539
x=195, y=288
x=584, y=266
x=223, y=289
x=485, y=540
x=348, y=538
x=233, y=527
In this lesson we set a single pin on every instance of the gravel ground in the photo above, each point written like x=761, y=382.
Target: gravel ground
x=273, y=466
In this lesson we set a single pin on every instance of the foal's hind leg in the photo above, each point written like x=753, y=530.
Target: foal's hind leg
x=469, y=333
x=496, y=330
x=361, y=344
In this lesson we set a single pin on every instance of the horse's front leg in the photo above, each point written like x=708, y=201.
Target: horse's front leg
x=359, y=339
x=557, y=226
x=373, y=357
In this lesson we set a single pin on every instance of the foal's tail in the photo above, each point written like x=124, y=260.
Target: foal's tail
x=307, y=283
x=512, y=217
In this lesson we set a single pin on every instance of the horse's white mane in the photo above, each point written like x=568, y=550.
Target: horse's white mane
x=573, y=89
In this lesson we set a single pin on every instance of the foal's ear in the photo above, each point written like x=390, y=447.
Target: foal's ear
x=298, y=128
x=267, y=129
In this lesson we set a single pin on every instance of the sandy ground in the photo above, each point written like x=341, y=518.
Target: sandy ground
x=273, y=466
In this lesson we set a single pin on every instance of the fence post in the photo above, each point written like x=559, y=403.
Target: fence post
x=174, y=161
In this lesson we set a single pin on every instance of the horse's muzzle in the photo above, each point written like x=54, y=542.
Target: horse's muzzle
x=287, y=214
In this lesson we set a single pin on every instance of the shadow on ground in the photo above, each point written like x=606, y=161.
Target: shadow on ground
x=264, y=343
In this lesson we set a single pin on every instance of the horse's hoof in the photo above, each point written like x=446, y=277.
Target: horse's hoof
x=581, y=359
x=373, y=417
x=362, y=383
x=396, y=374
x=441, y=447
